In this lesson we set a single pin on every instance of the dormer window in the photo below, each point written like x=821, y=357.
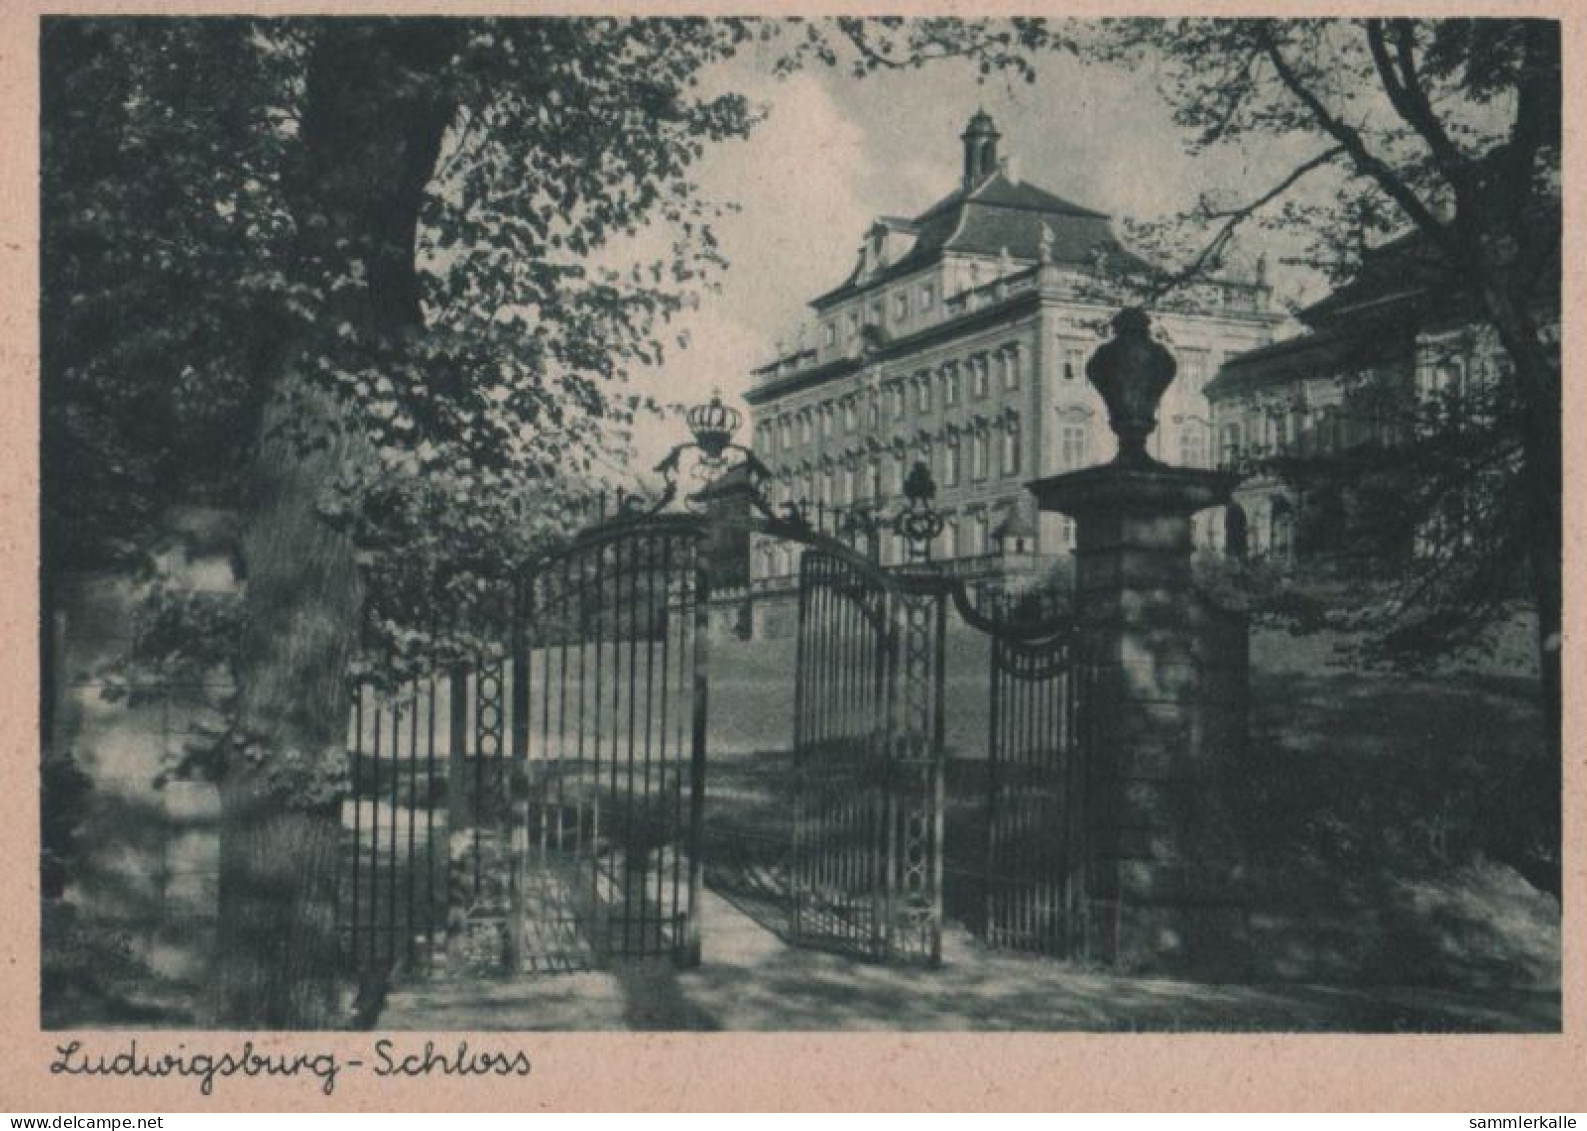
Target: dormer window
x=901, y=305
x=928, y=296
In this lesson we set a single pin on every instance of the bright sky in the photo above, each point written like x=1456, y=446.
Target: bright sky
x=835, y=152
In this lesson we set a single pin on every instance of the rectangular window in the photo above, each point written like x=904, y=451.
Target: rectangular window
x=896, y=479
x=1011, y=446
x=1192, y=445
x=928, y=296
x=895, y=394
x=1073, y=445
x=851, y=415
x=1074, y=363
x=950, y=386
x=977, y=531
x=978, y=382
x=830, y=333
x=1231, y=444
x=978, y=454
x=854, y=324
x=901, y=305
x=950, y=462
x=806, y=429
x=873, y=413
x=923, y=394
x=1010, y=360
x=1192, y=372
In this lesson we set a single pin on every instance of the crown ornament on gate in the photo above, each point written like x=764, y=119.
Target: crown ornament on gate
x=712, y=425
x=715, y=457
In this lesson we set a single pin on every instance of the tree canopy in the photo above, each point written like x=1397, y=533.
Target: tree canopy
x=1433, y=151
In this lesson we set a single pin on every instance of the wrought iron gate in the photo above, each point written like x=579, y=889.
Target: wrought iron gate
x=868, y=760
x=1036, y=796
x=395, y=873
x=540, y=808
x=613, y=655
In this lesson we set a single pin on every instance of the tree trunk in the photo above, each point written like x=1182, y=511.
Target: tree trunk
x=280, y=965
x=375, y=113
x=1542, y=456
x=280, y=798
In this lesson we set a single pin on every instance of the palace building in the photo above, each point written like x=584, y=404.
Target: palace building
x=959, y=339
x=1373, y=356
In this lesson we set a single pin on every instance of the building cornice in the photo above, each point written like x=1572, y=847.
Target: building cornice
x=924, y=338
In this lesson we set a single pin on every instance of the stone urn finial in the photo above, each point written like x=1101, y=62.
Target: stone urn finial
x=1131, y=372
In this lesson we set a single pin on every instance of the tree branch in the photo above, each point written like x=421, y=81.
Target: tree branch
x=1404, y=88
x=1369, y=163
x=1233, y=217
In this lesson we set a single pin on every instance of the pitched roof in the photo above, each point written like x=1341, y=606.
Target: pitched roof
x=998, y=215
x=1329, y=351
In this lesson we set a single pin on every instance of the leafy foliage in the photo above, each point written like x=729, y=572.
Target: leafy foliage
x=185, y=258
x=1444, y=134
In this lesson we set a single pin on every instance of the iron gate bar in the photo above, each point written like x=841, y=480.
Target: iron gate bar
x=639, y=588
x=1034, y=815
x=868, y=753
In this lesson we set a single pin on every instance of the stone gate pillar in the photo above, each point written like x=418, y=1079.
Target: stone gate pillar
x=1166, y=712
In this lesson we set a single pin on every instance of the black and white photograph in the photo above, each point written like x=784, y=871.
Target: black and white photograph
x=887, y=523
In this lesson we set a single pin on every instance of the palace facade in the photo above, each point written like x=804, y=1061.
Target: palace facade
x=1374, y=357
x=959, y=339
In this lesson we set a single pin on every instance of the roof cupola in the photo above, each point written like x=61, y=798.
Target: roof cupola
x=980, y=149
